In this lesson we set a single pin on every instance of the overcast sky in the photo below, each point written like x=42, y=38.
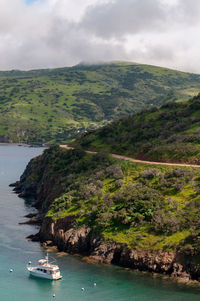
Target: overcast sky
x=57, y=33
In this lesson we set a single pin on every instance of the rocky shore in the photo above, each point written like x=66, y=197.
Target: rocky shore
x=85, y=241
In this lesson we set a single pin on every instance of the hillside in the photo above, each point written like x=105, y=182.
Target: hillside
x=48, y=106
x=117, y=212
x=168, y=134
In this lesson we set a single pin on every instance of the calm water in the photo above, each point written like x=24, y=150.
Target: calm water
x=113, y=283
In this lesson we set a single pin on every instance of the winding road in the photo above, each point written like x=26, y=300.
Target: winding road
x=140, y=161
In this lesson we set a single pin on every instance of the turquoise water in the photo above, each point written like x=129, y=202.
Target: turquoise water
x=113, y=283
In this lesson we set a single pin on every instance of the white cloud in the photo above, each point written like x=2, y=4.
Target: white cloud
x=55, y=33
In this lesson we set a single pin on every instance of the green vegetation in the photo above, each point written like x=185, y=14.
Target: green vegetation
x=139, y=205
x=169, y=134
x=48, y=106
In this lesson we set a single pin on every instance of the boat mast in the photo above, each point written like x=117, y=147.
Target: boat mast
x=47, y=258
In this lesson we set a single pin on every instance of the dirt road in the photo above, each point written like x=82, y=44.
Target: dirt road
x=141, y=161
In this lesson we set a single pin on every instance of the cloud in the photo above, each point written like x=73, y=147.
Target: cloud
x=119, y=18
x=56, y=33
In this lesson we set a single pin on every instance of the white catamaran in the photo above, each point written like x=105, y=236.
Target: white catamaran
x=44, y=269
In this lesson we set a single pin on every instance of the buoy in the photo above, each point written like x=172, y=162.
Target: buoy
x=11, y=270
x=82, y=289
x=54, y=295
x=95, y=284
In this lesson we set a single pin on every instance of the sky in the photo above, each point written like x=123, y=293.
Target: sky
x=56, y=33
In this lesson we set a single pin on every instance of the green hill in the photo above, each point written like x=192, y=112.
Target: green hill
x=171, y=134
x=48, y=106
x=118, y=211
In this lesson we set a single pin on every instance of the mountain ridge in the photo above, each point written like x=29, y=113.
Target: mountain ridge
x=56, y=105
x=168, y=134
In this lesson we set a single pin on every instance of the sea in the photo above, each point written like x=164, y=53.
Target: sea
x=79, y=277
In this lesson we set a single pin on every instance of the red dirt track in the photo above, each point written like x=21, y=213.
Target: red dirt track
x=140, y=161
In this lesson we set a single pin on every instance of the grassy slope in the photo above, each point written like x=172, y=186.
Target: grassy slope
x=171, y=133
x=52, y=105
x=139, y=205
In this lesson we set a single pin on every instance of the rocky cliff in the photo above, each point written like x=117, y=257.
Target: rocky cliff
x=86, y=242
x=40, y=182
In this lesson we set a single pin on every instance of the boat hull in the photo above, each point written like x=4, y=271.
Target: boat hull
x=45, y=276
x=37, y=274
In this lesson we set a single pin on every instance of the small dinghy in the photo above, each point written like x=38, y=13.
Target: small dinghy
x=44, y=269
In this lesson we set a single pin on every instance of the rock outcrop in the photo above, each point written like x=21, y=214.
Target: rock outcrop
x=86, y=242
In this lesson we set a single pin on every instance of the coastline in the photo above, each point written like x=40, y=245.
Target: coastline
x=21, y=144
x=13, y=144
x=103, y=253
x=87, y=242
x=60, y=235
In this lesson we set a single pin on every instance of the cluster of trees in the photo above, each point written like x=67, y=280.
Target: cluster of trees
x=110, y=194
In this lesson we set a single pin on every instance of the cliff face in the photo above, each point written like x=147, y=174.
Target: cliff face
x=42, y=183
x=86, y=242
x=36, y=183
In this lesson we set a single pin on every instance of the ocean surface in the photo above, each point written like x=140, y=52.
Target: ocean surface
x=113, y=283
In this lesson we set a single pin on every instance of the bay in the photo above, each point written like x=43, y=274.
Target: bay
x=113, y=283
